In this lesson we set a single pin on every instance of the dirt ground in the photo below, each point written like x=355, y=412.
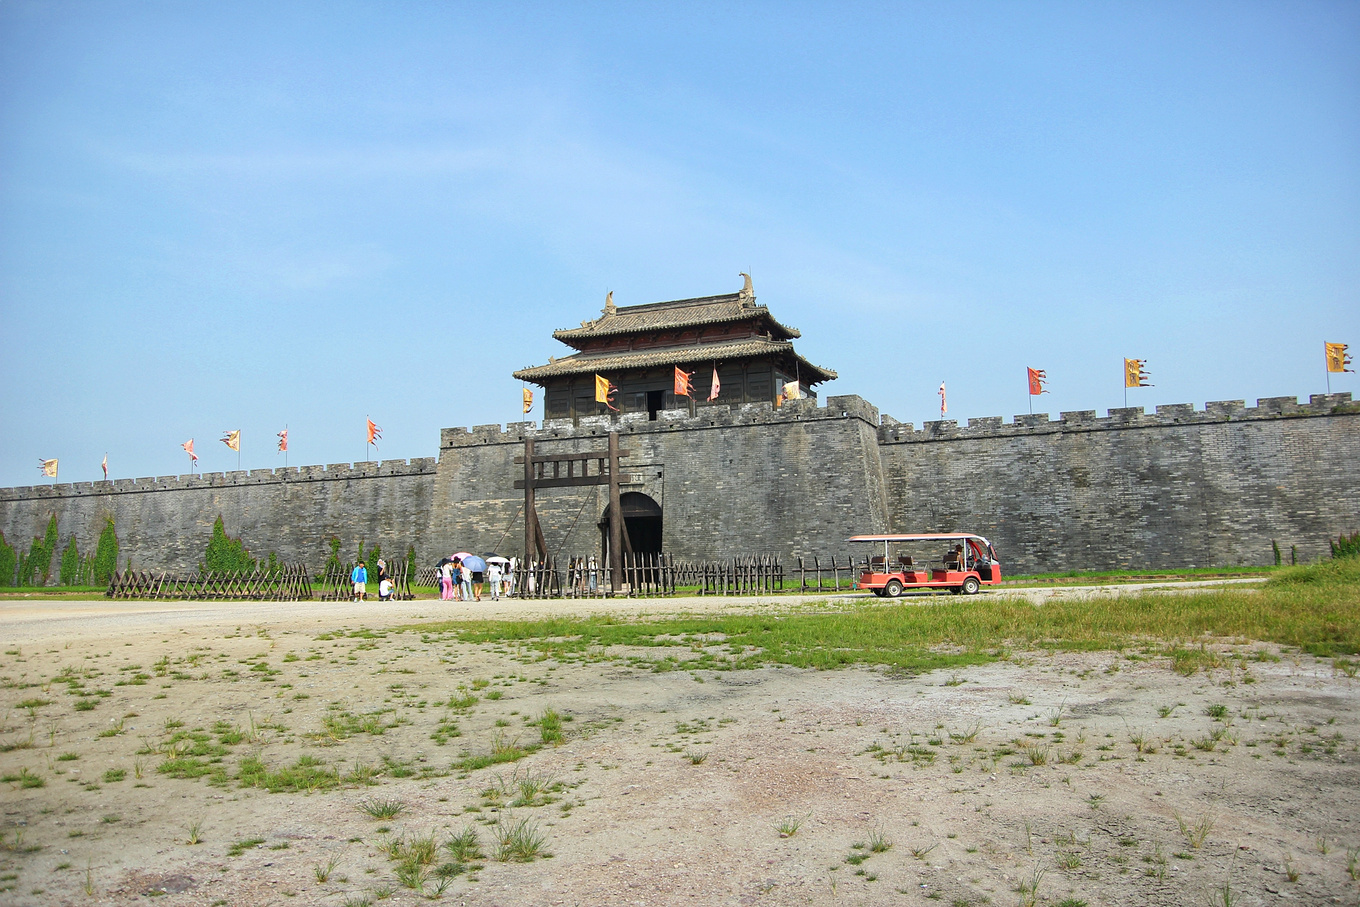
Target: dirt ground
x=1065, y=779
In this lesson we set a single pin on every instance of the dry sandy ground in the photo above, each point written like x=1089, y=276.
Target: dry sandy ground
x=978, y=786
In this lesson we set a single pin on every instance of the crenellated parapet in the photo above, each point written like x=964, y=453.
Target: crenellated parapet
x=668, y=420
x=335, y=472
x=1131, y=417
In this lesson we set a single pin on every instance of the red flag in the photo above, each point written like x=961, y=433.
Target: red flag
x=716, y=388
x=1037, y=379
x=944, y=407
x=105, y=464
x=283, y=441
x=189, y=449
x=683, y=388
x=374, y=433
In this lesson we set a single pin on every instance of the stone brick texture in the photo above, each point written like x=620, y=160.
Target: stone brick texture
x=1176, y=488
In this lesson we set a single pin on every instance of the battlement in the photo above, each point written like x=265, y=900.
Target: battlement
x=667, y=420
x=892, y=431
x=335, y=472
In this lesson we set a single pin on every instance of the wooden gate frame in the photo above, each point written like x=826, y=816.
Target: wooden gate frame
x=536, y=475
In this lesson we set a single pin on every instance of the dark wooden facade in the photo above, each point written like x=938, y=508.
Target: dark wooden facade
x=638, y=348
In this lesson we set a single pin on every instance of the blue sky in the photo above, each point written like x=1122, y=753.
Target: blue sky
x=246, y=216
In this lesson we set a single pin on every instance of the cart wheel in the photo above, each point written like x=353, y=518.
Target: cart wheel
x=892, y=589
x=971, y=586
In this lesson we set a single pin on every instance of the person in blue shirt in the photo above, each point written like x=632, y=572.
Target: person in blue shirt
x=359, y=577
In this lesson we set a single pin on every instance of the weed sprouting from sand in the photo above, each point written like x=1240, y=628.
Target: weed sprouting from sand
x=921, y=853
x=550, y=728
x=1144, y=742
x=385, y=808
x=1028, y=889
x=323, y=871
x=695, y=757
x=788, y=826
x=1353, y=863
x=239, y=847
x=465, y=847
x=1196, y=832
x=195, y=833
x=968, y=735
x=519, y=841
x=878, y=841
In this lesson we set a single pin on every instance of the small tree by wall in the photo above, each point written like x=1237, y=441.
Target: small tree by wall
x=36, y=568
x=225, y=554
x=9, y=562
x=70, y=564
x=106, y=554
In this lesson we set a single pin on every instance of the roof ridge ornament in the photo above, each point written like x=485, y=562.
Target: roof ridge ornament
x=747, y=296
x=609, y=307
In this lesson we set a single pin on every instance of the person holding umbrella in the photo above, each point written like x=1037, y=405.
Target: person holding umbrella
x=476, y=567
x=462, y=559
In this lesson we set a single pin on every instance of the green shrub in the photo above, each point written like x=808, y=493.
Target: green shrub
x=1346, y=547
x=225, y=554
x=106, y=554
x=36, y=567
x=70, y=564
x=9, y=562
x=333, y=564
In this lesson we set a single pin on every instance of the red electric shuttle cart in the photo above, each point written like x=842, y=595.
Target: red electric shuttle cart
x=969, y=562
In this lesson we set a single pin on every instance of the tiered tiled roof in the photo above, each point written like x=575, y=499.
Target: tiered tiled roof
x=614, y=360
x=657, y=327
x=679, y=313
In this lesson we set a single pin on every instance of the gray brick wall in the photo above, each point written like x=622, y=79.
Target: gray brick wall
x=1179, y=487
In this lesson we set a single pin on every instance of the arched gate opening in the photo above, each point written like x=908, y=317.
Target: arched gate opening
x=642, y=524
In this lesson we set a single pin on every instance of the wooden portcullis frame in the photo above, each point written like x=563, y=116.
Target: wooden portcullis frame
x=572, y=470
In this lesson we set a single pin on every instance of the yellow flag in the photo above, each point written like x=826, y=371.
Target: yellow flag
x=49, y=468
x=604, y=392
x=232, y=439
x=1337, y=357
x=1135, y=374
x=528, y=399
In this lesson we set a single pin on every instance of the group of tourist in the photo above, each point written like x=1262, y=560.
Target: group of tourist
x=458, y=581
x=359, y=577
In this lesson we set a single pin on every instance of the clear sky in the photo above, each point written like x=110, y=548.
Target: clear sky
x=251, y=215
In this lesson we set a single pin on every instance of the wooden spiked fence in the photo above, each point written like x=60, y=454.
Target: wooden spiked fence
x=287, y=583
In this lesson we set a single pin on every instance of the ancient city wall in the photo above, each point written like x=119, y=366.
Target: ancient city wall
x=730, y=481
x=1176, y=488
x=164, y=523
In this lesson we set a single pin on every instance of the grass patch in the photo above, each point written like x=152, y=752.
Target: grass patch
x=307, y=774
x=1314, y=608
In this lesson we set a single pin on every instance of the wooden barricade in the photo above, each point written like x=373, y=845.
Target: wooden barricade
x=811, y=577
x=539, y=579
x=288, y=583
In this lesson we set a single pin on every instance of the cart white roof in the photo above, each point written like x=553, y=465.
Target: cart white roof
x=922, y=537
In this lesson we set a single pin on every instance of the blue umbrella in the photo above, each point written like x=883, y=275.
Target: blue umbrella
x=474, y=563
